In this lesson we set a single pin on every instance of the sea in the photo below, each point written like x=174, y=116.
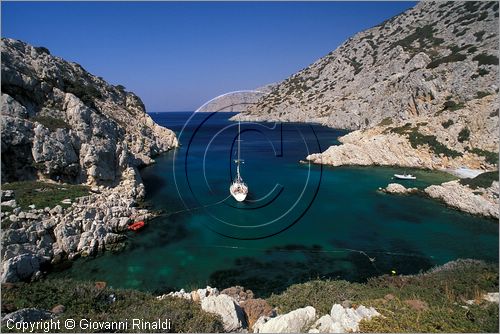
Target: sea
x=300, y=221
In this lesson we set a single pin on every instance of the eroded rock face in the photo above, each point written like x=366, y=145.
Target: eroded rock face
x=293, y=322
x=437, y=77
x=61, y=122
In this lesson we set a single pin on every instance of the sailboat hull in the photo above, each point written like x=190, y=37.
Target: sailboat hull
x=239, y=191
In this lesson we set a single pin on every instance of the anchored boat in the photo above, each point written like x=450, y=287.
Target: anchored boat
x=238, y=188
x=405, y=176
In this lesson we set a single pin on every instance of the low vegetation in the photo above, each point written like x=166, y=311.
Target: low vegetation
x=489, y=156
x=447, y=124
x=44, y=194
x=451, y=58
x=484, y=59
x=417, y=139
x=483, y=180
x=86, y=93
x=441, y=292
x=93, y=301
x=51, y=123
x=463, y=135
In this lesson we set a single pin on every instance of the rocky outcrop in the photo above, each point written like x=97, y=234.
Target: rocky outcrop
x=479, y=201
x=60, y=122
x=421, y=93
x=396, y=188
x=21, y=267
x=296, y=321
x=229, y=310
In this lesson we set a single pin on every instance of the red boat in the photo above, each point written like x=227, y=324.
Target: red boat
x=136, y=226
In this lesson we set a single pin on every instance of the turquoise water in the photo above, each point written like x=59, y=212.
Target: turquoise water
x=300, y=222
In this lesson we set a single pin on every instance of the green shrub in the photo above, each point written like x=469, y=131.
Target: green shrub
x=447, y=124
x=479, y=35
x=85, y=300
x=483, y=180
x=489, y=157
x=484, y=59
x=452, y=105
x=386, y=121
x=443, y=289
x=51, y=123
x=41, y=49
x=472, y=49
x=417, y=139
x=86, y=93
x=463, y=135
x=482, y=94
x=44, y=194
x=453, y=57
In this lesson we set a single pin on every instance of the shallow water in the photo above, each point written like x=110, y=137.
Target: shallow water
x=301, y=221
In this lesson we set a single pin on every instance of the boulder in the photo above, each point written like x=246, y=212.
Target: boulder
x=232, y=315
x=20, y=268
x=348, y=319
x=27, y=315
x=256, y=308
x=292, y=322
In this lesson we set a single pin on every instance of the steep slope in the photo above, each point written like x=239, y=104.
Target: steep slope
x=61, y=122
x=238, y=101
x=423, y=85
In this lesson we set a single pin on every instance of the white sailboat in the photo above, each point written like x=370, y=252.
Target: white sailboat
x=405, y=176
x=238, y=188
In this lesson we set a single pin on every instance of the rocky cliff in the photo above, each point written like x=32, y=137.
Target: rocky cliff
x=60, y=122
x=420, y=88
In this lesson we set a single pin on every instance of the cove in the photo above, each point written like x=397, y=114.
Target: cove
x=302, y=221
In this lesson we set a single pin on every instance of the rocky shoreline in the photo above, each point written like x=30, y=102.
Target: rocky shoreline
x=483, y=201
x=41, y=237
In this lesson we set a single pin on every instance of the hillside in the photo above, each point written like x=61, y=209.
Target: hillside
x=60, y=122
x=421, y=88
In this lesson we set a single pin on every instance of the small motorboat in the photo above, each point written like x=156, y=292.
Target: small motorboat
x=405, y=176
x=136, y=226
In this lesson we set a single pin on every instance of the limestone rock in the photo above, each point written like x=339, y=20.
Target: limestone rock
x=396, y=188
x=347, y=319
x=20, y=267
x=293, y=322
x=225, y=306
x=466, y=199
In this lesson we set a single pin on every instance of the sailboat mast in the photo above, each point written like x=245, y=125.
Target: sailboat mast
x=238, y=161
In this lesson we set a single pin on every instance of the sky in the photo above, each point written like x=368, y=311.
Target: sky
x=178, y=55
